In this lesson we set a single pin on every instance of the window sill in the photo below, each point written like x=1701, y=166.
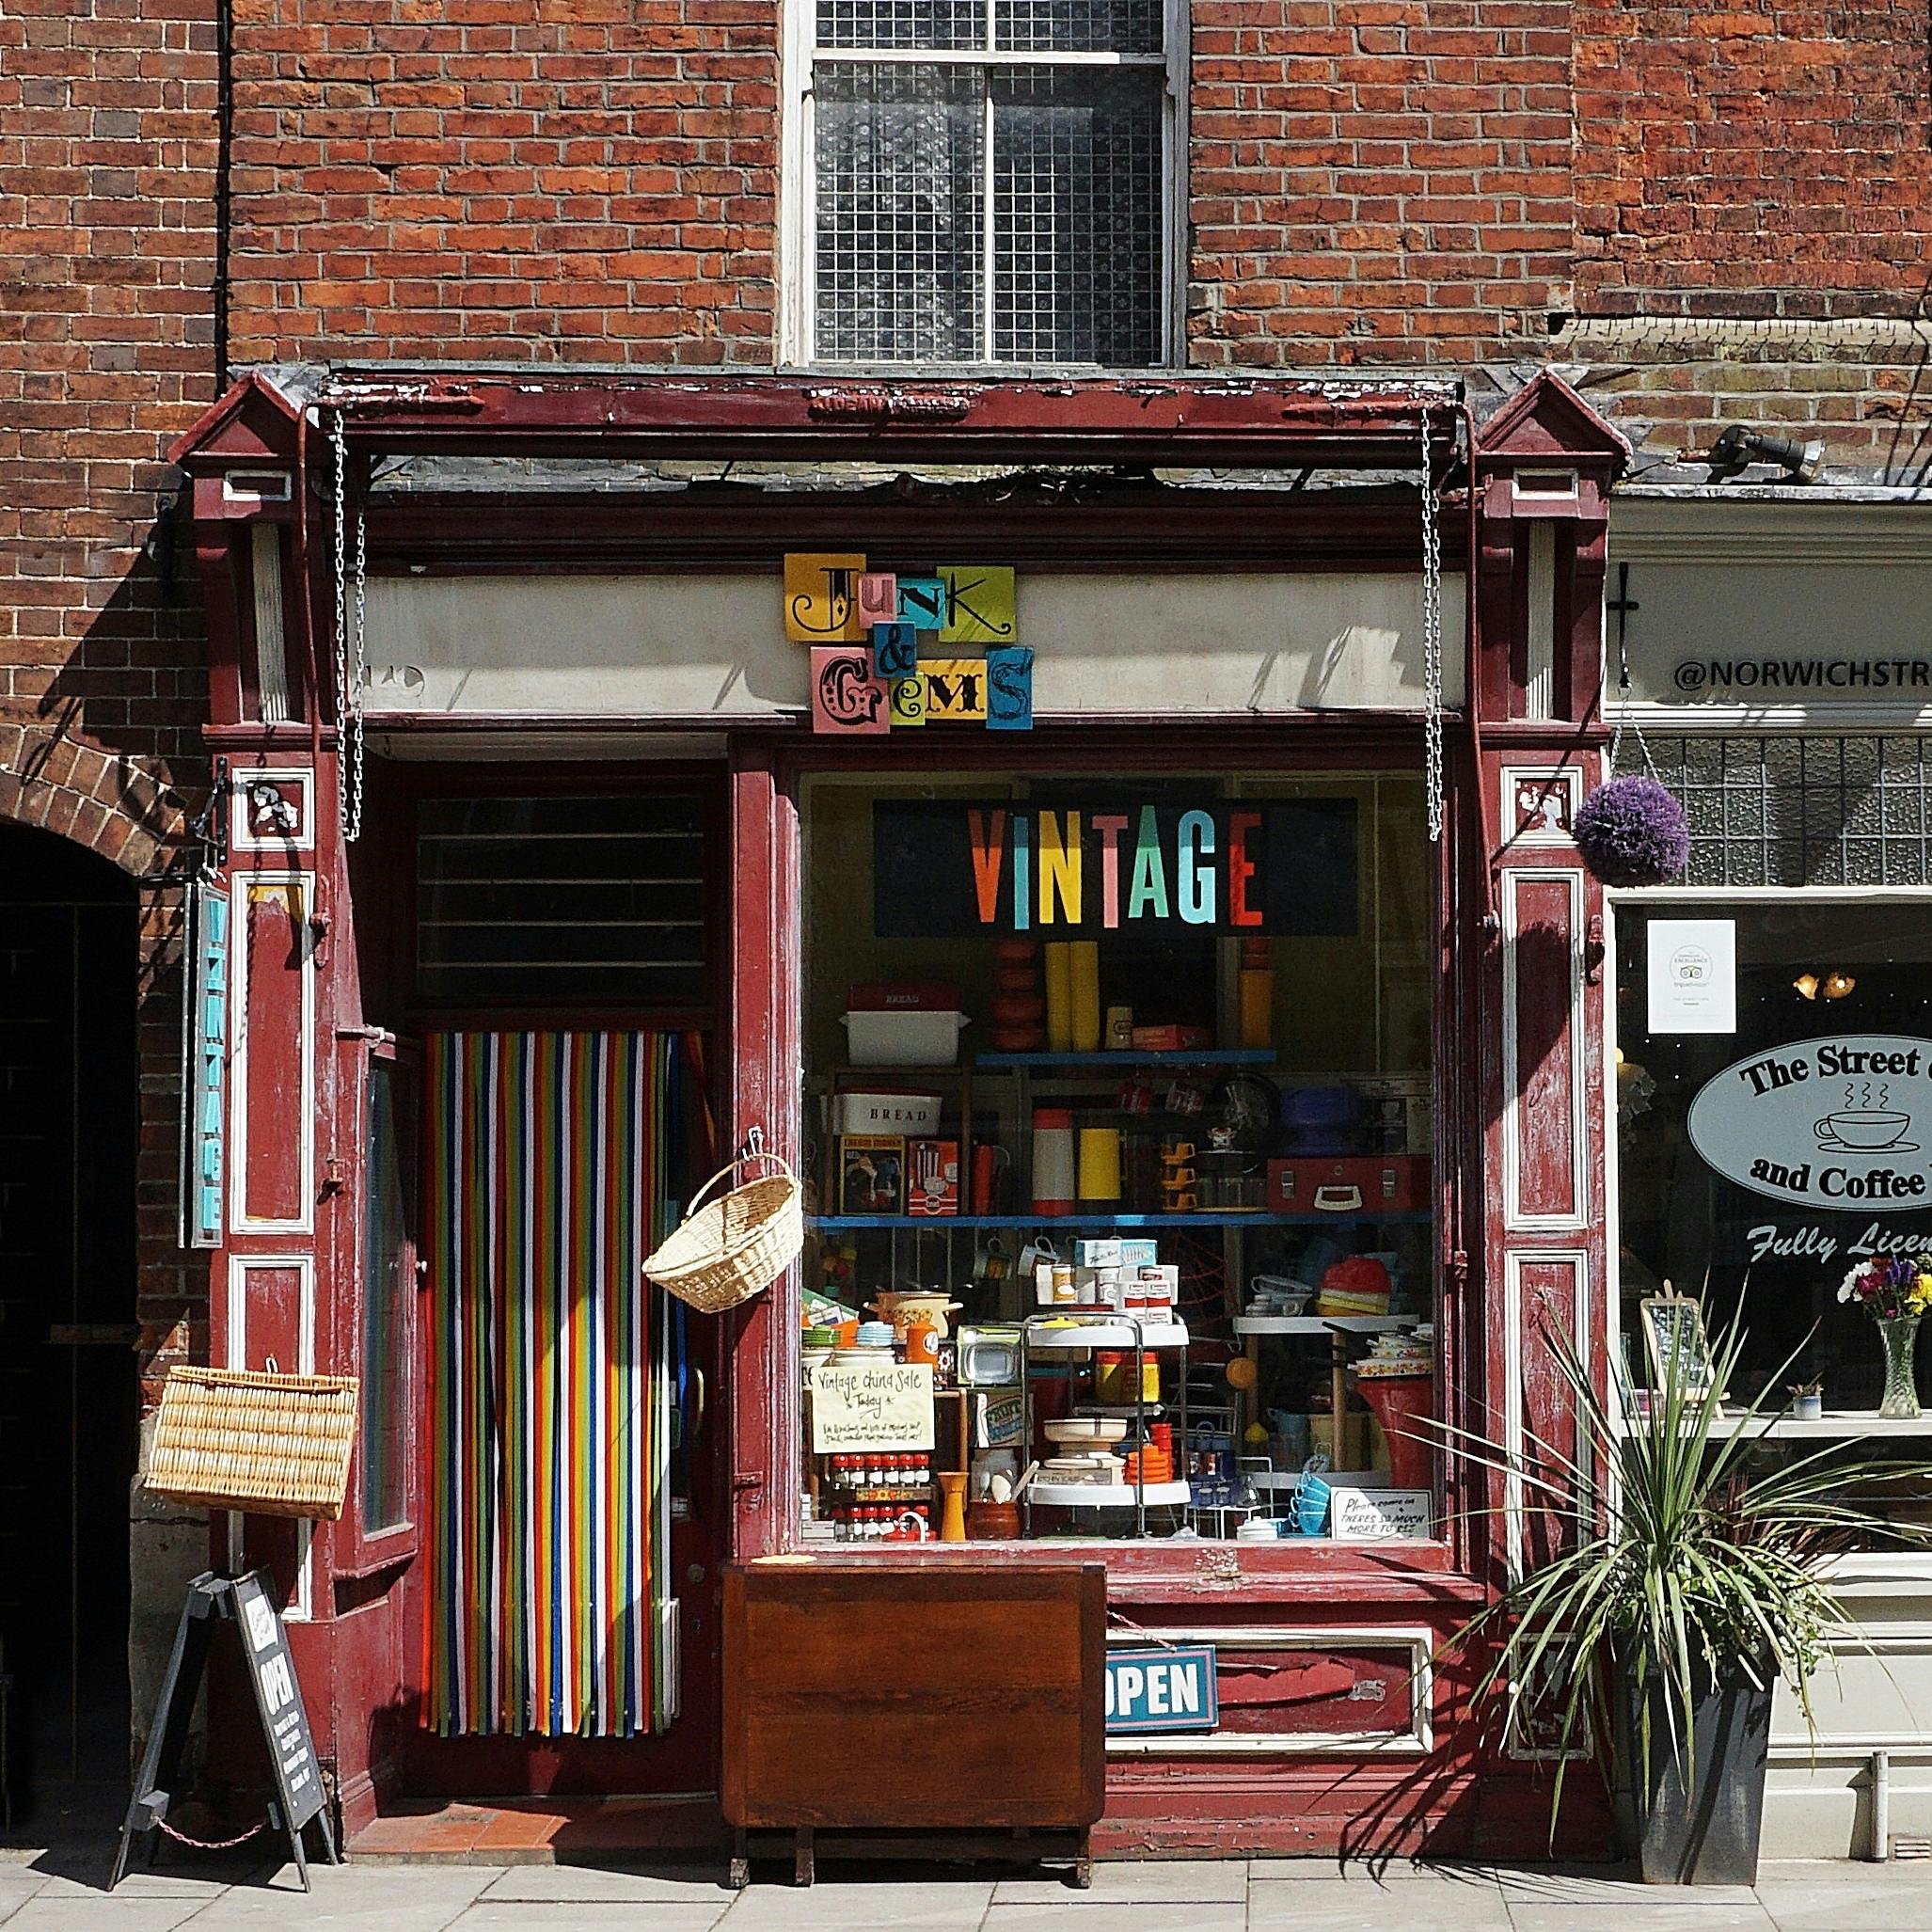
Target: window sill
x=386, y=1550
x=1305, y=1571
x=926, y=373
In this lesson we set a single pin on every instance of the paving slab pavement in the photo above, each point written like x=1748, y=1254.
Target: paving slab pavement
x=62, y=1893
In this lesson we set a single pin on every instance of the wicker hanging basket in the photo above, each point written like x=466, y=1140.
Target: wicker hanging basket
x=726, y=1250
x=271, y=1445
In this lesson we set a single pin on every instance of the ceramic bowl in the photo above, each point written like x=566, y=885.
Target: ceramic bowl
x=1084, y=1429
x=1080, y=1469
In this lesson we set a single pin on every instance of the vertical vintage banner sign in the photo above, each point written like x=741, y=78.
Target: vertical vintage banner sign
x=204, y=1070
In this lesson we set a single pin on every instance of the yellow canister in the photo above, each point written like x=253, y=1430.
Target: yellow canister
x=1059, y=997
x=1100, y=1164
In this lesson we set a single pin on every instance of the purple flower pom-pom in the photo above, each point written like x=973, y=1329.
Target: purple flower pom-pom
x=1631, y=831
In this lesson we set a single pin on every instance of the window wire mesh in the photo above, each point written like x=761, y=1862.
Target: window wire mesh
x=921, y=25
x=1079, y=26
x=1076, y=215
x=899, y=216
x=1798, y=811
x=904, y=195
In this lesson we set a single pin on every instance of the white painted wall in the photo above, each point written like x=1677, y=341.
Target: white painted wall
x=1781, y=582
x=714, y=643
x=1877, y=1694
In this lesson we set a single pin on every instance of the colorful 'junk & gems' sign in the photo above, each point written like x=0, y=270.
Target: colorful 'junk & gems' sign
x=891, y=652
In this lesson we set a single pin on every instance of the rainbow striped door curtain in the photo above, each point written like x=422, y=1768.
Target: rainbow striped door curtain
x=548, y=1159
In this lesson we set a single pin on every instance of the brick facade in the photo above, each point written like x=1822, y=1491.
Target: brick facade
x=1752, y=159
x=1377, y=183
x=107, y=148
x=567, y=180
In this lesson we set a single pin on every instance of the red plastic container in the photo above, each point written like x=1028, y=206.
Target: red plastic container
x=1400, y=1404
x=1349, y=1184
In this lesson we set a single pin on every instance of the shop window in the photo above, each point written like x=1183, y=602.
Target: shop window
x=1006, y=202
x=561, y=901
x=1119, y=1156
x=389, y=1307
x=1774, y=1116
x=1798, y=811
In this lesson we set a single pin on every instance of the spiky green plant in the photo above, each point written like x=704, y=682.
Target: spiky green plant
x=1681, y=1564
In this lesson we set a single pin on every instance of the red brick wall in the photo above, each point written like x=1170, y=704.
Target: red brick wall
x=1377, y=180
x=587, y=180
x=1753, y=159
x=108, y=144
x=595, y=180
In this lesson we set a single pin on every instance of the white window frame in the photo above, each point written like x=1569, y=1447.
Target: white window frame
x=798, y=200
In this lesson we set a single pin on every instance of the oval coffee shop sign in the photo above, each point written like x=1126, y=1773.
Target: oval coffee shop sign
x=1843, y=1123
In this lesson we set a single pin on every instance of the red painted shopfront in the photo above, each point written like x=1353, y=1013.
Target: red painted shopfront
x=588, y=806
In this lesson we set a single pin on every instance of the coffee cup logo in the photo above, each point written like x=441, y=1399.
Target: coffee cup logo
x=1860, y=1130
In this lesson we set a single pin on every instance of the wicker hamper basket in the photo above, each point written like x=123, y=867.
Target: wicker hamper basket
x=726, y=1250
x=272, y=1445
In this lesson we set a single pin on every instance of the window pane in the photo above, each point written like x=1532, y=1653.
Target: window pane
x=901, y=23
x=1757, y=1195
x=1077, y=216
x=900, y=207
x=1080, y=26
x=387, y=1295
x=1277, y=1174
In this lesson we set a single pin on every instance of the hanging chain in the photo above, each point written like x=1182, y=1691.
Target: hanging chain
x=210, y=1843
x=359, y=678
x=1432, y=638
x=351, y=653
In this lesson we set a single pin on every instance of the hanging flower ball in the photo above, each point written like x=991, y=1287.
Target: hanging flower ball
x=1632, y=832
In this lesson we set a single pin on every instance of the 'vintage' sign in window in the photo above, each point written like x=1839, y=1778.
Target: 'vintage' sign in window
x=1842, y=1124
x=1117, y=862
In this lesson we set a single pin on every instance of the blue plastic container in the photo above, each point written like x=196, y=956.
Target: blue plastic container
x=1322, y=1119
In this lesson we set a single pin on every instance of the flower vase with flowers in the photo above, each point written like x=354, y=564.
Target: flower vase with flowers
x=1894, y=1291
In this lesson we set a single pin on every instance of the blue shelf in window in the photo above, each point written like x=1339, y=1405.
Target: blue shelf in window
x=1127, y=1057
x=852, y=1224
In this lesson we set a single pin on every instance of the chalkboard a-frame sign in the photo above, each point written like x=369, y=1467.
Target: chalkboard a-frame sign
x=299, y=1802
x=1673, y=1333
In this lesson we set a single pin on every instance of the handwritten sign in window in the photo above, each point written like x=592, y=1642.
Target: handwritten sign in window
x=859, y=1406
x=1379, y=1515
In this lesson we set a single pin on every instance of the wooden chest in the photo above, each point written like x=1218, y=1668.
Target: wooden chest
x=884, y=1696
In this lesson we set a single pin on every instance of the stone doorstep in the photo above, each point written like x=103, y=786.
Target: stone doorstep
x=540, y=1832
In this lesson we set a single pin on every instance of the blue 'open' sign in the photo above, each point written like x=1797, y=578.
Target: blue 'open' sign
x=1166, y=1689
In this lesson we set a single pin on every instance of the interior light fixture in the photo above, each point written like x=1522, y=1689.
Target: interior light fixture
x=1737, y=447
x=1830, y=984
